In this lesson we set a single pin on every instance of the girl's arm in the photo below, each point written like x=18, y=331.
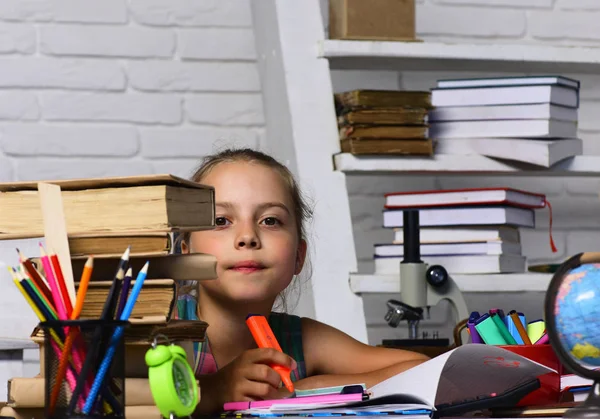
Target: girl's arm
x=334, y=358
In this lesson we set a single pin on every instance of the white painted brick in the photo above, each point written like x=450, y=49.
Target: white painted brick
x=6, y=169
x=367, y=220
x=591, y=142
x=19, y=106
x=589, y=85
x=34, y=10
x=135, y=107
x=535, y=244
x=582, y=241
x=217, y=44
x=111, y=41
x=557, y=25
x=578, y=4
x=214, y=13
x=482, y=22
x=83, y=11
x=17, y=37
x=550, y=186
x=571, y=212
x=68, y=140
x=583, y=186
x=544, y=4
x=207, y=76
x=57, y=168
x=181, y=167
x=376, y=185
x=193, y=142
x=588, y=115
x=344, y=80
x=262, y=139
x=65, y=73
x=225, y=109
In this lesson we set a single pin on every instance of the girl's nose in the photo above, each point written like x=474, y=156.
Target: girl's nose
x=247, y=239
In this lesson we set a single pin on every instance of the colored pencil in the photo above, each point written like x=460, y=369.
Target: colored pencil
x=62, y=367
x=61, y=283
x=35, y=275
x=96, y=343
x=47, y=304
x=54, y=288
x=124, y=292
x=115, y=339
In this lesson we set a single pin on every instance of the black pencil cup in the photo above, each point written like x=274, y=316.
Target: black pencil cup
x=70, y=383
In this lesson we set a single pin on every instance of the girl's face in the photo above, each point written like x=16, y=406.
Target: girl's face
x=255, y=240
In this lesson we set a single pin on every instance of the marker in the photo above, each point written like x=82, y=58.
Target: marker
x=475, y=337
x=503, y=329
x=264, y=337
x=516, y=320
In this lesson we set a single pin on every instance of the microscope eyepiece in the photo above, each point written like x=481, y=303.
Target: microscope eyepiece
x=436, y=275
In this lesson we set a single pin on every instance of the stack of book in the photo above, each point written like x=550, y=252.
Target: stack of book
x=384, y=122
x=468, y=231
x=102, y=217
x=526, y=119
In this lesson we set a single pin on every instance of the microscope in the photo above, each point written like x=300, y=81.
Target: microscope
x=421, y=286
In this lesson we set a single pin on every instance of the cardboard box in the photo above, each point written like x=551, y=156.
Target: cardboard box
x=384, y=20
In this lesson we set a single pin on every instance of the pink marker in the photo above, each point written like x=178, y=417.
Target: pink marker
x=544, y=339
x=305, y=400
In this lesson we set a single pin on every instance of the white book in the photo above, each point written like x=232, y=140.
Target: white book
x=462, y=197
x=528, y=128
x=462, y=235
x=461, y=264
x=509, y=95
x=451, y=216
x=508, y=81
x=446, y=249
x=543, y=153
x=503, y=112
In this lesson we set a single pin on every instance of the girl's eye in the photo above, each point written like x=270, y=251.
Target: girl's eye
x=271, y=221
x=221, y=221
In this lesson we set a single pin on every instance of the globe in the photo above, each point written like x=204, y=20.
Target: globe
x=572, y=314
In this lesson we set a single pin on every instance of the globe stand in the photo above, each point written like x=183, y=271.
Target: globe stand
x=590, y=409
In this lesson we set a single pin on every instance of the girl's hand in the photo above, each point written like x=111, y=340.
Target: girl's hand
x=249, y=377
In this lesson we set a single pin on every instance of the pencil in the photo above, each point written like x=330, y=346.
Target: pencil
x=124, y=292
x=49, y=309
x=96, y=343
x=115, y=339
x=24, y=274
x=61, y=284
x=35, y=275
x=522, y=332
x=54, y=289
x=62, y=367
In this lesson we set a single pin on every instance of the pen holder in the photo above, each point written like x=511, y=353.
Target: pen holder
x=74, y=351
x=549, y=391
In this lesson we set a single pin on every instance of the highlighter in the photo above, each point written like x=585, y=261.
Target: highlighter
x=264, y=337
x=516, y=327
x=475, y=338
x=535, y=329
x=489, y=331
x=503, y=329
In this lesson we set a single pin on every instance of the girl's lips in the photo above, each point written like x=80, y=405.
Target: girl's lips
x=246, y=270
x=248, y=266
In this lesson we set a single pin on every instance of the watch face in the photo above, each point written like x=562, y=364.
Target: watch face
x=184, y=383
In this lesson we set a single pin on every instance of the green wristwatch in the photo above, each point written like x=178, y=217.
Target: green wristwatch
x=172, y=381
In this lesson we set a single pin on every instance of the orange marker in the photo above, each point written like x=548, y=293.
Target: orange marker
x=264, y=337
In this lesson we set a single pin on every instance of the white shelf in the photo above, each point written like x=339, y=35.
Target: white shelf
x=363, y=284
x=524, y=58
x=455, y=164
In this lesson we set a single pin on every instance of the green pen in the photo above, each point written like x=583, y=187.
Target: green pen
x=488, y=331
x=510, y=340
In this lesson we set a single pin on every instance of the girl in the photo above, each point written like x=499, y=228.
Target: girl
x=260, y=245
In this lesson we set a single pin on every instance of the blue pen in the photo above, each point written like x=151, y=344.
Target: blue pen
x=512, y=328
x=116, y=337
x=475, y=337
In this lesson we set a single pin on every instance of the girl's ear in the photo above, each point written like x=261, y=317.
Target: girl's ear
x=300, y=257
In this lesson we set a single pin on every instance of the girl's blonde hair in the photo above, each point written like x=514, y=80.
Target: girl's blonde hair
x=301, y=208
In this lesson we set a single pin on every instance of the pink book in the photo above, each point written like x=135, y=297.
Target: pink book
x=307, y=400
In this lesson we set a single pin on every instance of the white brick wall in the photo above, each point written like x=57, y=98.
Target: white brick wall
x=123, y=87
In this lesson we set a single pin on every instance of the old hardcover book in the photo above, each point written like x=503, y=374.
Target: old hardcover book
x=382, y=99
x=384, y=116
x=141, y=244
x=389, y=132
x=391, y=147
x=117, y=205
